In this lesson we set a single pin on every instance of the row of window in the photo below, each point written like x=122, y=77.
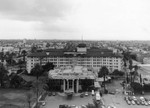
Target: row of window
x=84, y=59
x=94, y=63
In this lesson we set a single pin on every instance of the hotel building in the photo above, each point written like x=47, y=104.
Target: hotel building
x=93, y=58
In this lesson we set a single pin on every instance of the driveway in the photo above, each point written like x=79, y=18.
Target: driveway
x=55, y=101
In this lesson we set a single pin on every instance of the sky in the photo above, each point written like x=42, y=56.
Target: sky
x=75, y=19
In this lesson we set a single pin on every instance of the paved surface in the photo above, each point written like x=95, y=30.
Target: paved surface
x=116, y=100
x=55, y=101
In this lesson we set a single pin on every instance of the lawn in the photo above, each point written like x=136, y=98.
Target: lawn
x=13, y=97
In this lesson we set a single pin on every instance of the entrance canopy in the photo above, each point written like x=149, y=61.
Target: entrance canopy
x=76, y=72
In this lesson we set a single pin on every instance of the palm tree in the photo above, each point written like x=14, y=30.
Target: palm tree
x=135, y=72
x=24, y=54
x=29, y=97
x=102, y=73
x=37, y=71
x=3, y=75
x=130, y=64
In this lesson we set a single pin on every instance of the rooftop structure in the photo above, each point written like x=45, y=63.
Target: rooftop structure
x=77, y=72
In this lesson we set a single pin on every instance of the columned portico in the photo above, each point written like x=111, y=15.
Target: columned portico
x=77, y=88
x=64, y=85
x=73, y=85
x=70, y=84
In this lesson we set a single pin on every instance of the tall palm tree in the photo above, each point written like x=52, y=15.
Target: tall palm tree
x=29, y=97
x=102, y=73
x=135, y=74
x=3, y=75
x=24, y=55
x=37, y=70
x=130, y=64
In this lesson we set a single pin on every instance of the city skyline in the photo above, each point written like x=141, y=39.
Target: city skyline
x=75, y=19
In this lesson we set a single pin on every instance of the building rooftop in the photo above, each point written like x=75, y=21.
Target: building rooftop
x=92, y=52
x=81, y=45
x=76, y=72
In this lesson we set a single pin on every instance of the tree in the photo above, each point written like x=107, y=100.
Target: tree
x=102, y=73
x=24, y=54
x=117, y=72
x=33, y=49
x=48, y=66
x=47, y=45
x=29, y=97
x=135, y=72
x=130, y=64
x=3, y=75
x=37, y=87
x=16, y=81
x=37, y=70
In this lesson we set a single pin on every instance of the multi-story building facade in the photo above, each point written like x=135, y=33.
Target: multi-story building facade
x=92, y=57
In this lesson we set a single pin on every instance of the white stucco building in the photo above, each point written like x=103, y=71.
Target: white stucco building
x=92, y=58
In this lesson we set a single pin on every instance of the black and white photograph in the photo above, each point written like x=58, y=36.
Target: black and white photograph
x=74, y=53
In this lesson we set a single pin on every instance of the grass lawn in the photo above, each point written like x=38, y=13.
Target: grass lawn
x=14, y=97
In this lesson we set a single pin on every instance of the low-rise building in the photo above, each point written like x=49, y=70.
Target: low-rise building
x=71, y=78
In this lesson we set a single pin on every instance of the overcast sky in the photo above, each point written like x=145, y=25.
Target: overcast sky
x=74, y=19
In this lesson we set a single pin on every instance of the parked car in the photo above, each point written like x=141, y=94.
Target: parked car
x=130, y=98
x=134, y=98
x=79, y=106
x=110, y=106
x=73, y=106
x=145, y=103
x=113, y=93
x=142, y=102
x=53, y=93
x=128, y=102
x=86, y=94
x=81, y=95
x=92, y=93
x=43, y=103
x=137, y=102
x=142, y=98
x=148, y=102
x=133, y=102
x=83, y=106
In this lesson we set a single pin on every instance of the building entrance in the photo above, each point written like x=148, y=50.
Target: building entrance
x=70, y=84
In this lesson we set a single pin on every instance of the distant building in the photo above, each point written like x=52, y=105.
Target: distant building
x=6, y=48
x=146, y=60
x=92, y=58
